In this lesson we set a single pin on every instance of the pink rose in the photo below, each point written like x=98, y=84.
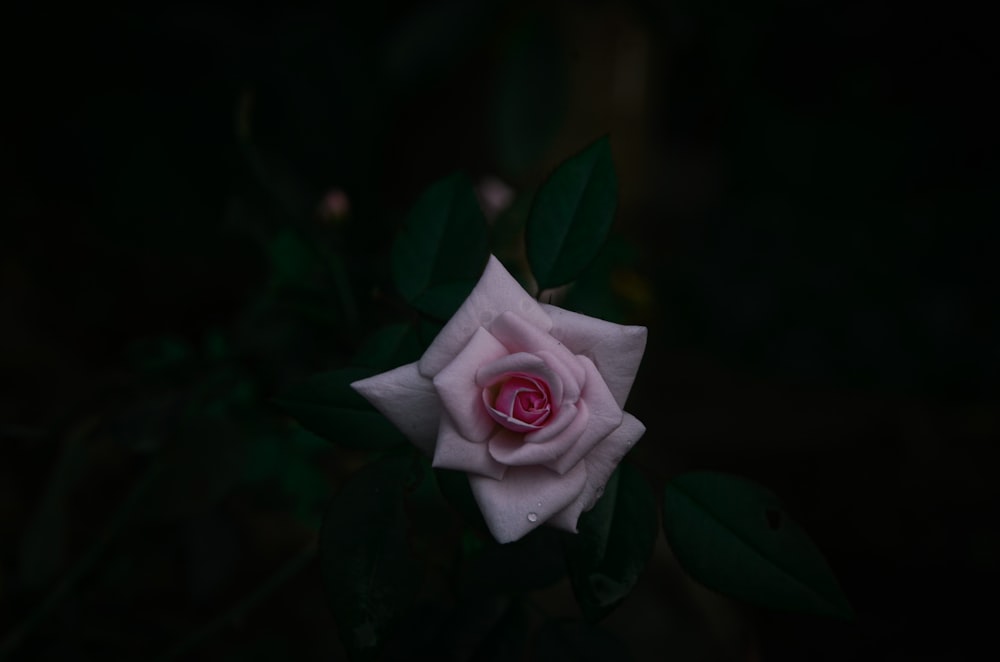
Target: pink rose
x=526, y=398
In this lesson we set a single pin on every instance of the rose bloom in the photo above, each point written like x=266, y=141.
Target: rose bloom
x=524, y=397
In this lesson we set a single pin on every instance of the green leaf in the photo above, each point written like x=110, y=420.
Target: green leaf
x=571, y=216
x=327, y=406
x=289, y=457
x=441, y=301
x=427, y=331
x=601, y=291
x=444, y=241
x=734, y=536
x=613, y=544
x=533, y=562
x=371, y=576
x=390, y=346
x=292, y=261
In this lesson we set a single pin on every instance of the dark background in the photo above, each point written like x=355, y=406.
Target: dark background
x=807, y=225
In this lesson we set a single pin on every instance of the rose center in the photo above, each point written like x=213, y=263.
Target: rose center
x=519, y=402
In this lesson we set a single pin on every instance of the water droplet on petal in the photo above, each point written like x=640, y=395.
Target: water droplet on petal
x=532, y=517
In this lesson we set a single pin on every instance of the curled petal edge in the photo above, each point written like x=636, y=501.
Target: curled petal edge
x=600, y=464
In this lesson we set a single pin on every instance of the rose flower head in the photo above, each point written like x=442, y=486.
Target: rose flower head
x=524, y=397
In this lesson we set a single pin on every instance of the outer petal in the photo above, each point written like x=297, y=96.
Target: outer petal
x=519, y=335
x=495, y=293
x=526, y=498
x=455, y=452
x=605, y=416
x=408, y=399
x=600, y=465
x=615, y=349
x=456, y=384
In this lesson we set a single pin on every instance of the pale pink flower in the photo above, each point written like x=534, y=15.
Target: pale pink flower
x=526, y=398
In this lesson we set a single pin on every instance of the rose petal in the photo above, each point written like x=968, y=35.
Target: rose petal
x=615, y=349
x=570, y=391
x=456, y=384
x=408, y=399
x=600, y=463
x=495, y=293
x=510, y=422
x=519, y=335
x=453, y=451
x=508, y=409
x=515, y=449
x=605, y=416
x=566, y=415
x=531, y=406
x=530, y=364
x=515, y=388
x=526, y=498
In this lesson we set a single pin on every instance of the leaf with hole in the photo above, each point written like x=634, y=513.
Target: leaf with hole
x=735, y=537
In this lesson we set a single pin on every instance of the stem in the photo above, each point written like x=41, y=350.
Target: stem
x=41, y=547
x=344, y=290
x=331, y=261
x=333, y=264
x=264, y=590
x=84, y=564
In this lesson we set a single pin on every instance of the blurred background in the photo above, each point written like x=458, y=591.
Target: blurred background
x=198, y=204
